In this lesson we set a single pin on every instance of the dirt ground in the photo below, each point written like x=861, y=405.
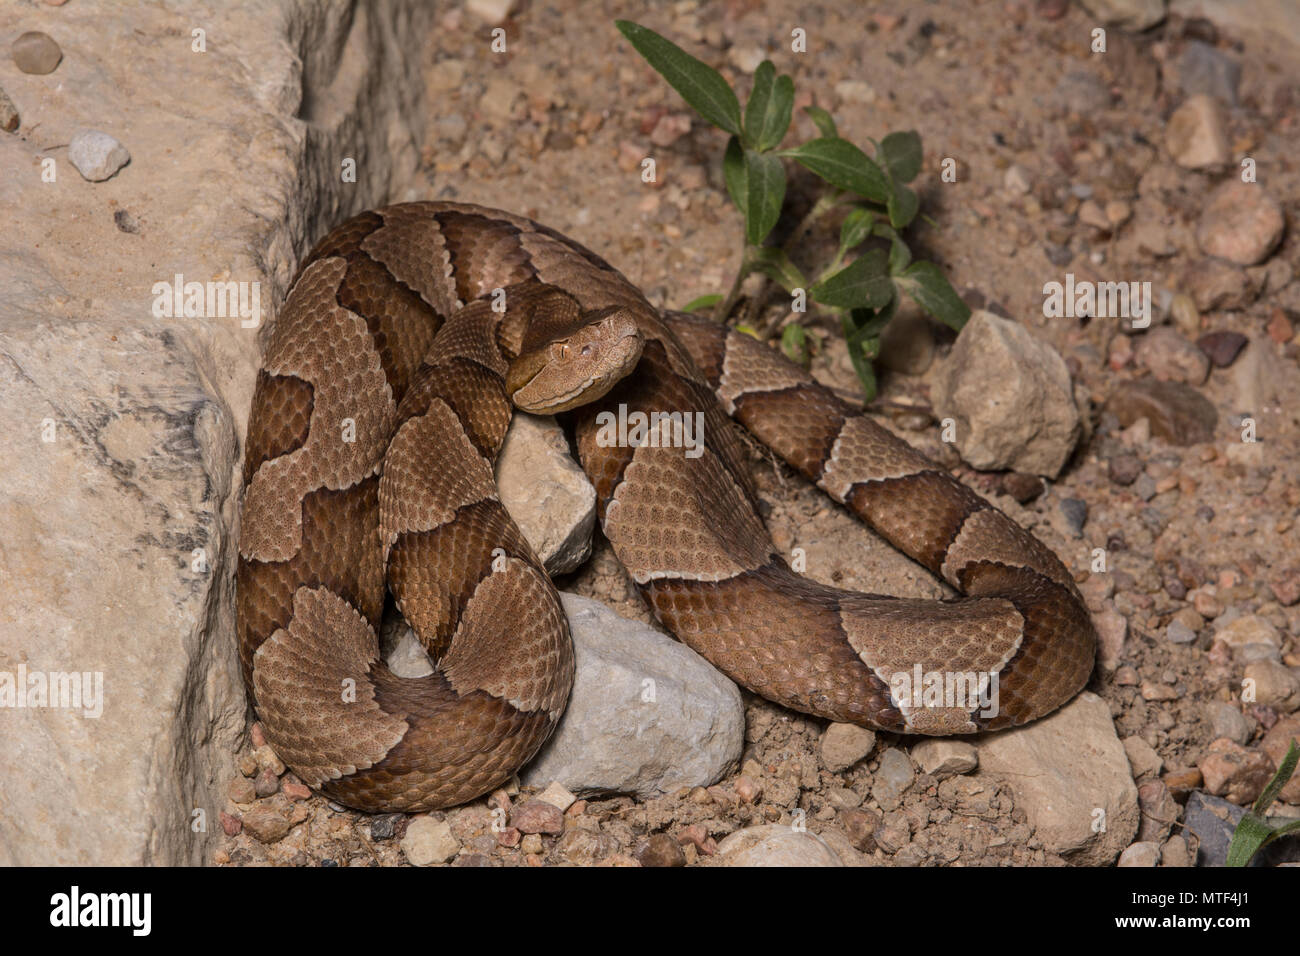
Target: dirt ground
x=555, y=129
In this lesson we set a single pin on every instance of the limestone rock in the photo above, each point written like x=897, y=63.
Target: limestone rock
x=647, y=715
x=546, y=492
x=1011, y=398
x=775, y=845
x=1069, y=771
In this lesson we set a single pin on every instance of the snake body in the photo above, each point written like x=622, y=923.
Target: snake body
x=382, y=402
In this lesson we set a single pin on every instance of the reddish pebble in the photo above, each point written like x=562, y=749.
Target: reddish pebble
x=1279, y=327
x=510, y=836
x=295, y=790
x=257, y=734
x=538, y=816
x=231, y=824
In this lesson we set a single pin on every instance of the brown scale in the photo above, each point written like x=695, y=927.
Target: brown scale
x=332, y=521
x=281, y=419
x=443, y=567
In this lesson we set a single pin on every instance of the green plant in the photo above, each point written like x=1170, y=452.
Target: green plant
x=864, y=293
x=1255, y=831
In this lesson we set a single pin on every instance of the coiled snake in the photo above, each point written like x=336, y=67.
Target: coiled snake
x=384, y=396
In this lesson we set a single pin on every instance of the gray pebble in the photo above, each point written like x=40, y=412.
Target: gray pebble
x=96, y=155
x=892, y=779
x=36, y=53
x=1075, y=511
x=1179, y=633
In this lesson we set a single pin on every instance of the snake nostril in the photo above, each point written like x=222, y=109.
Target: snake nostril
x=586, y=350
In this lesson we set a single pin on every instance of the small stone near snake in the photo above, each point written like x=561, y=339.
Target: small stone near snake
x=429, y=841
x=257, y=735
x=748, y=790
x=1075, y=512
x=96, y=155
x=267, y=760
x=892, y=779
x=36, y=53
x=1140, y=854
x=660, y=850
x=557, y=796
x=537, y=816
x=266, y=783
x=861, y=826
x=843, y=745
x=295, y=790
x=266, y=824
x=472, y=859
x=384, y=827
x=944, y=758
x=248, y=765
x=242, y=790
x=509, y=837
x=1222, y=347
x=230, y=825
x=531, y=844
x=1124, y=469
x=1024, y=488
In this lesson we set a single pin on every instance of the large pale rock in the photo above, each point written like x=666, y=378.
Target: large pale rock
x=776, y=845
x=1070, y=775
x=647, y=715
x=122, y=427
x=546, y=492
x=1010, y=397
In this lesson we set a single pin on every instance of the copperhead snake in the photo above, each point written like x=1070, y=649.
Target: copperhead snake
x=384, y=396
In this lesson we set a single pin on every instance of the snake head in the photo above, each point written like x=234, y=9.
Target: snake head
x=577, y=365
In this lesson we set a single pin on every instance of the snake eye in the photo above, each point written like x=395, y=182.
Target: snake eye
x=560, y=351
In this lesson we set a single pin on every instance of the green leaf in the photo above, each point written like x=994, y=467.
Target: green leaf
x=842, y=164
x=699, y=84
x=863, y=283
x=900, y=257
x=1250, y=835
x=776, y=265
x=902, y=205
x=1284, y=773
x=824, y=122
x=733, y=172
x=900, y=153
x=750, y=331
x=764, y=194
x=767, y=115
x=794, y=343
x=927, y=286
x=703, y=302
x=857, y=227
x=869, y=323
x=866, y=372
